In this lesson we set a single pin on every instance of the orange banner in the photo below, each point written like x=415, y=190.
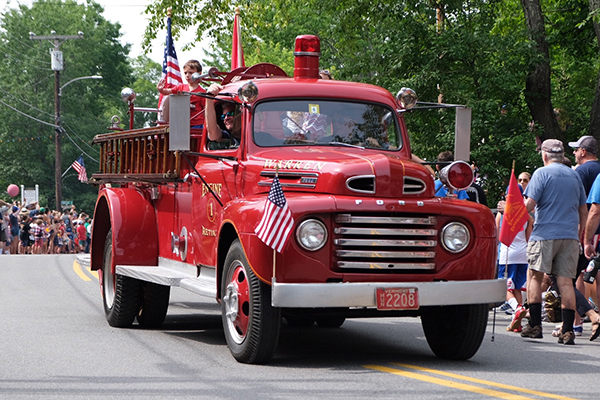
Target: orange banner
x=515, y=212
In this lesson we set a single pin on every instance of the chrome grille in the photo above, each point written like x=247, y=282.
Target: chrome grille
x=385, y=242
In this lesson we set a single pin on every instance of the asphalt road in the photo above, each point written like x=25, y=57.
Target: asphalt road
x=55, y=344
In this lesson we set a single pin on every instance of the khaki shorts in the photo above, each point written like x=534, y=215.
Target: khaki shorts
x=557, y=257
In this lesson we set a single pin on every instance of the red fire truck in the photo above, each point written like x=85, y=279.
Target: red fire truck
x=369, y=238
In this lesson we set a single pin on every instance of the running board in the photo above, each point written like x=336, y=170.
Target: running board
x=202, y=285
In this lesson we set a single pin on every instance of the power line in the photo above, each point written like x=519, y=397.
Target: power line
x=37, y=49
x=24, y=102
x=29, y=116
x=76, y=145
x=23, y=62
x=79, y=137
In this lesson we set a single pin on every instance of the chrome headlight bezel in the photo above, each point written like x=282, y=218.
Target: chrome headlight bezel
x=451, y=234
x=303, y=232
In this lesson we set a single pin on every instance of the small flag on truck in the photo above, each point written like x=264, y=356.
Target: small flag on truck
x=277, y=221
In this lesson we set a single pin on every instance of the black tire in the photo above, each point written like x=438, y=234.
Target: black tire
x=250, y=323
x=155, y=302
x=455, y=332
x=330, y=322
x=120, y=294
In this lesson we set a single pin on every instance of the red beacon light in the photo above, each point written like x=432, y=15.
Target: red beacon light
x=457, y=176
x=307, y=52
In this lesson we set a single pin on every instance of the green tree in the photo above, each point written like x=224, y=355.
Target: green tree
x=146, y=74
x=510, y=67
x=27, y=94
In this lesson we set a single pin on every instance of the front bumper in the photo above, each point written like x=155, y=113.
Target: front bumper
x=325, y=295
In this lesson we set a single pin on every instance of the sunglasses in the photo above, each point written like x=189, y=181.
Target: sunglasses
x=523, y=180
x=227, y=114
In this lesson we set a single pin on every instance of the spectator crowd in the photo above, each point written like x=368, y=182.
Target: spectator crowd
x=31, y=229
x=544, y=263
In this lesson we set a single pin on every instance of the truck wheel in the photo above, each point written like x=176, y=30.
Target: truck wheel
x=455, y=332
x=120, y=294
x=330, y=322
x=251, y=324
x=155, y=302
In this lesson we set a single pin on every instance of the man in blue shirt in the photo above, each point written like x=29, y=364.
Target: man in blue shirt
x=558, y=197
x=588, y=167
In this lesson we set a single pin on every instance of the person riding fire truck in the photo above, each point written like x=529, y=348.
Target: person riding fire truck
x=365, y=236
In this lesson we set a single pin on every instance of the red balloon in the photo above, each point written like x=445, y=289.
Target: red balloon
x=12, y=190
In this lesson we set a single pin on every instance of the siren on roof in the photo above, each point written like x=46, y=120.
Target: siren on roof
x=306, y=57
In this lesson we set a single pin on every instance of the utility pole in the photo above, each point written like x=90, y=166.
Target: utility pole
x=57, y=66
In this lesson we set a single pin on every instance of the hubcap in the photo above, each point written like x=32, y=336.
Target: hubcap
x=108, y=283
x=237, y=303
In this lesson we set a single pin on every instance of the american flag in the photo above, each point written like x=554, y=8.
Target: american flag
x=79, y=166
x=170, y=68
x=277, y=221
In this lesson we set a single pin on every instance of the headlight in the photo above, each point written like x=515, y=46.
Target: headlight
x=455, y=237
x=311, y=234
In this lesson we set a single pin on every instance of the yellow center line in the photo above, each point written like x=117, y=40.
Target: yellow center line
x=79, y=272
x=450, y=384
x=484, y=382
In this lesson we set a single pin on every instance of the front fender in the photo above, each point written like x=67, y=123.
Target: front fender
x=245, y=214
x=134, y=231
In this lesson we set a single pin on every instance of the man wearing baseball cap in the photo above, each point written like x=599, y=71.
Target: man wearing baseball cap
x=557, y=195
x=588, y=168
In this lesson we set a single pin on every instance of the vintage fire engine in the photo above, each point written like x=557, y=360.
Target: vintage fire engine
x=369, y=239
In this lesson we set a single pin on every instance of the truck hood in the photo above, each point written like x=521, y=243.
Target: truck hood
x=341, y=170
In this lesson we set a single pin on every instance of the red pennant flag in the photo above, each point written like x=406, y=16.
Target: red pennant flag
x=237, y=52
x=515, y=212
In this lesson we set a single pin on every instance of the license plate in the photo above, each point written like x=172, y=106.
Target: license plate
x=397, y=298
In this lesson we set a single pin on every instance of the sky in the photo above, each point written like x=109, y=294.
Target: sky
x=130, y=14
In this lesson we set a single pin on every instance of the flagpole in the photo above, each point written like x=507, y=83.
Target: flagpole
x=277, y=222
x=512, y=171
x=67, y=170
x=70, y=166
x=275, y=251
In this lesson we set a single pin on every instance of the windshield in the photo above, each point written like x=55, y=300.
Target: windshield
x=324, y=123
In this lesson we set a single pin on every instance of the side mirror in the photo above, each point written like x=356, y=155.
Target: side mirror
x=248, y=93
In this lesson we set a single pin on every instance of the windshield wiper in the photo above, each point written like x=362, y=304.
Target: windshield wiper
x=346, y=145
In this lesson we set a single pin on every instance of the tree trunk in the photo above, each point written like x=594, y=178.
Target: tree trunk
x=595, y=113
x=537, y=86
